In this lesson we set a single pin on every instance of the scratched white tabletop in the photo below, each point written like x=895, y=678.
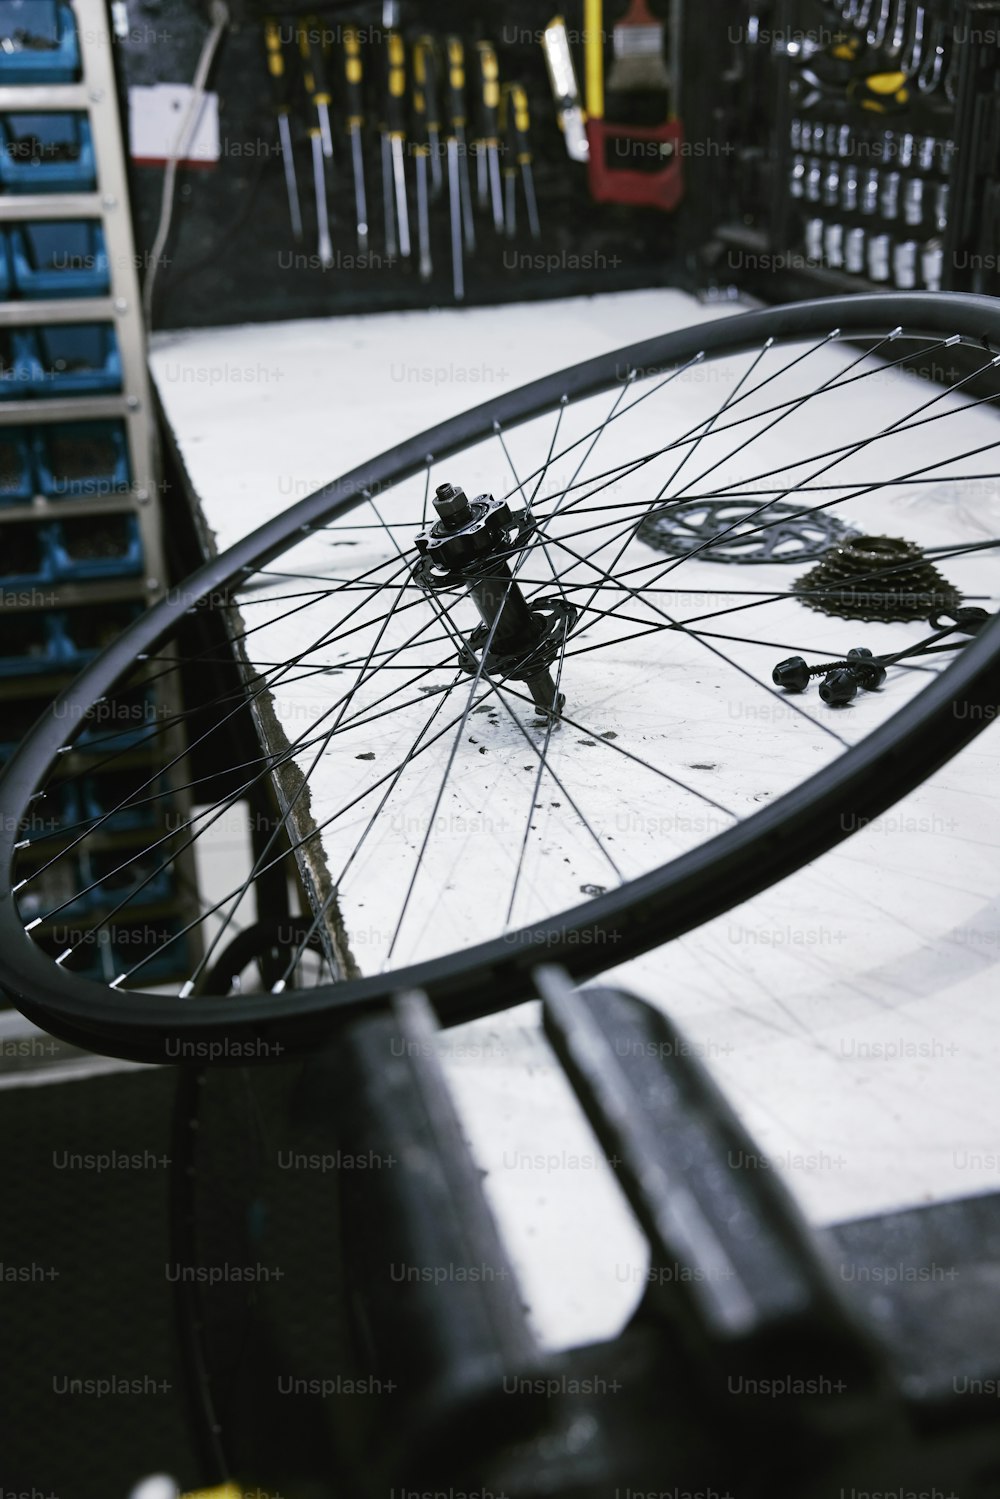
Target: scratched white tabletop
x=849, y=1013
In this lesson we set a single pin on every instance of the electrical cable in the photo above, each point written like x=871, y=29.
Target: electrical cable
x=219, y=13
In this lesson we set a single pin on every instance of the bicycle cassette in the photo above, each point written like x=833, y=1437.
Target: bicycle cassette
x=742, y=531
x=876, y=578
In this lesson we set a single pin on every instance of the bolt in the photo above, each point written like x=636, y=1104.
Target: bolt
x=452, y=506
x=839, y=687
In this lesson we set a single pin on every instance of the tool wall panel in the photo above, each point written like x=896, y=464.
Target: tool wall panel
x=232, y=253
x=874, y=163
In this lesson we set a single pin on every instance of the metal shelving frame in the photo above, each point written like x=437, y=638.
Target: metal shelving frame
x=96, y=95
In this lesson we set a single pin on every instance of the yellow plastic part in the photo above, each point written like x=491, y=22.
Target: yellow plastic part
x=272, y=40
x=886, y=83
x=456, y=63
x=593, y=31
x=397, y=65
x=490, y=75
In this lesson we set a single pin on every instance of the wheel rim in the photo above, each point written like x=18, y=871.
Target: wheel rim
x=660, y=902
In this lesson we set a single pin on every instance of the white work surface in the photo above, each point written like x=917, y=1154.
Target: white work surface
x=848, y=1013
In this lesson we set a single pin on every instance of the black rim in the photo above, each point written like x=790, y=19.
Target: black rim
x=607, y=929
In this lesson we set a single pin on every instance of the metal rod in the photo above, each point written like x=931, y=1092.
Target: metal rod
x=388, y=208
x=527, y=177
x=465, y=187
x=360, y=197
x=291, y=185
x=399, y=177
x=493, y=162
x=423, y=223
x=455, y=207
x=325, y=246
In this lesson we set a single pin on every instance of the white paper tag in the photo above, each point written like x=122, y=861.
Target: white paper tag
x=156, y=123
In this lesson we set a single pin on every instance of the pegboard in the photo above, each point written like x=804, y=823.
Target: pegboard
x=231, y=256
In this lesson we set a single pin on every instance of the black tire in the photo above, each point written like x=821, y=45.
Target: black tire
x=728, y=869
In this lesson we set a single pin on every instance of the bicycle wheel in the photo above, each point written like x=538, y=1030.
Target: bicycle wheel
x=478, y=720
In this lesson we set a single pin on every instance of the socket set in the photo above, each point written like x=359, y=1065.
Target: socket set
x=872, y=203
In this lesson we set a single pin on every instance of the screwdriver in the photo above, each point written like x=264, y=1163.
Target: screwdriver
x=509, y=162
x=458, y=150
x=518, y=125
x=489, y=102
x=354, y=105
x=279, y=86
x=421, y=151
x=321, y=93
x=395, y=131
x=453, y=116
x=425, y=67
x=325, y=247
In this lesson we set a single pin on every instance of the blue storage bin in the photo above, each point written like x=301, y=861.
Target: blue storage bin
x=68, y=359
x=76, y=459
x=64, y=258
x=52, y=895
x=25, y=555
x=31, y=643
x=17, y=471
x=116, y=884
x=100, y=793
x=46, y=153
x=95, y=546
x=52, y=53
x=18, y=716
x=131, y=944
x=6, y=268
x=20, y=371
x=82, y=633
x=54, y=816
x=122, y=722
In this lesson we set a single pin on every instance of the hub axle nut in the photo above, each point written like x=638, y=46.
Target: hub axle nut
x=793, y=674
x=839, y=687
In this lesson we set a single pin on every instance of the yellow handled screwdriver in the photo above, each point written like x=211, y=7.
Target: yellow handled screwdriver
x=395, y=131
x=509, y=162
x=279, y=88
x=458, y=146
x=489, y=106
x=320, y=92
x=324, y=245
x=421, y=154
x=354, y=105
x=519, y=124
x=425, y=57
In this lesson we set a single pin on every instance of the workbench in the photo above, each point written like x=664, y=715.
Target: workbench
x=848, y=1013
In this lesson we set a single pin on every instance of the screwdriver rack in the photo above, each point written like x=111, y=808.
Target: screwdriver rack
x=233, y=256
x=80, y=518
x=409, y=119
x=877, y=167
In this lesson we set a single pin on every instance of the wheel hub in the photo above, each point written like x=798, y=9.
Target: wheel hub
x=470, y=543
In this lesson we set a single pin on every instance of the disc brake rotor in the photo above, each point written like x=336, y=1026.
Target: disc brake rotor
x=743, y=531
